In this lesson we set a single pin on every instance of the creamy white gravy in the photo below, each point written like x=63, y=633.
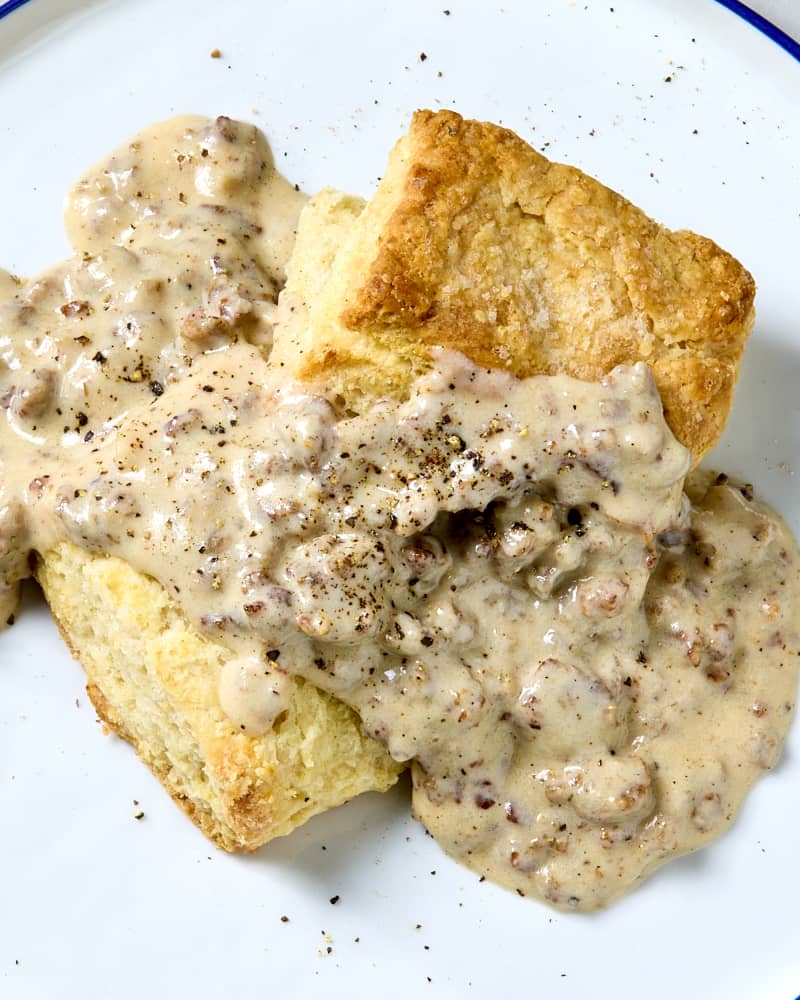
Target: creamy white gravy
x=587, y=665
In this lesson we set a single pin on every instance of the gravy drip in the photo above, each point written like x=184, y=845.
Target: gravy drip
x=181, y=240
x=587, y=666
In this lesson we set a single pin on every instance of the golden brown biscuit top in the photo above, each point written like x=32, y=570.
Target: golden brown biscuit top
x=477, y=242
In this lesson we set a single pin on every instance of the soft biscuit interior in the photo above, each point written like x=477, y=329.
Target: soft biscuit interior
x=153, y=679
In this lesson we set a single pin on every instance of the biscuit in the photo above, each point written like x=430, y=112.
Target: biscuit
x=153, y=680
x=475, y=241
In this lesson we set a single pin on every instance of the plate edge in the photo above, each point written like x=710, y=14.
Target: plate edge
x=760, y=23
x=9, y=6
x=741, y=10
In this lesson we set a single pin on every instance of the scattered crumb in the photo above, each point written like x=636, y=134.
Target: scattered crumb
x=215, y=54
x=334, y=900
x=329, y=945
x=138, y=815
x=284, y=919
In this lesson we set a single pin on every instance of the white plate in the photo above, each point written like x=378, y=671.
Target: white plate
x=688, y=111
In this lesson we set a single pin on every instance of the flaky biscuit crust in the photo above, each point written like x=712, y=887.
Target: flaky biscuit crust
x=475, y=241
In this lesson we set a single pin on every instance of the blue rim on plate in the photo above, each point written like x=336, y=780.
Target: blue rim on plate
x=757, y=21
x=6, y=8
x=761, y=24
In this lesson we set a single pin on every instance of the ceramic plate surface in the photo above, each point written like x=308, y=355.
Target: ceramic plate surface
x=684, y=108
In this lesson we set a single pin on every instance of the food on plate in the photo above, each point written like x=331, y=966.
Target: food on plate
x=412, y=503
x=181, y=239
x=154, y=680
x=476, y=242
